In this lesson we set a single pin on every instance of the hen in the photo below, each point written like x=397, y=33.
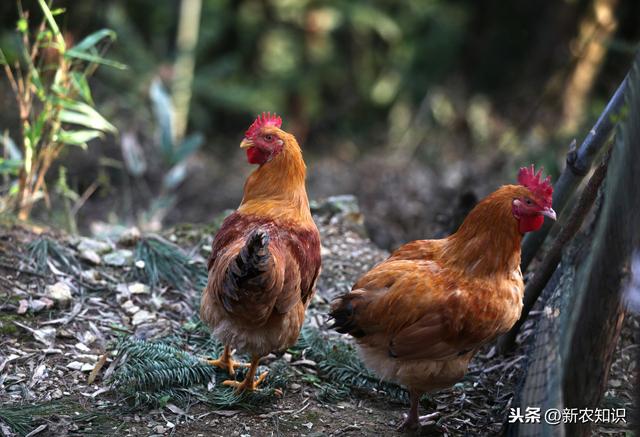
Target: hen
x=266, y=256
x=420, y=316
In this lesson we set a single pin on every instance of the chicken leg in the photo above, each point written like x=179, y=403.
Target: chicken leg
x=227, y=362
x=248, y=383
x=412, y=421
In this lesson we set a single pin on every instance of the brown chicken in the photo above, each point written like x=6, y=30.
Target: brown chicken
x=420, y=316
x=266, y=256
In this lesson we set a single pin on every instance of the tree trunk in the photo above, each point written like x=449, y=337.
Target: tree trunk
x=590, y=46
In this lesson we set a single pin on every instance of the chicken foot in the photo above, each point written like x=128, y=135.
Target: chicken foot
x=248, y=383
x=412, y=421
x=227, y=362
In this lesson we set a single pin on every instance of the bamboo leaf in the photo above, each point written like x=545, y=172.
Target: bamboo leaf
x=175, y=176
x=22, y=26
x=62, y=47
x=78, y=137
x=11, y=147
x=35, y=130
x=78, y=118
x=79, y=82
x=89, y=57
x=163, y=111
x=84, y=115
x=91, y=40
x=190, y=145
x=10, y=166
x=36, y=81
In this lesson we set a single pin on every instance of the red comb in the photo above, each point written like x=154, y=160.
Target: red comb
x=542, y=189
x=264, y=119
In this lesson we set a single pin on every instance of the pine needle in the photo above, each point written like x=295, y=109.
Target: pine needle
x=340, y=368
x=164, y=262
x=154, y=373
x=23, y=419
x=44, y=250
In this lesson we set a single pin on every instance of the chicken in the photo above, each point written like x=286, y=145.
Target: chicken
x=419, y=316
x=266, y=256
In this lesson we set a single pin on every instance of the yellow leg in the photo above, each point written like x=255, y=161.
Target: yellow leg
x=249, y=383
x=227, y=362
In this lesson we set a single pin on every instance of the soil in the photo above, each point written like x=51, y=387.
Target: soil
x=39, y=346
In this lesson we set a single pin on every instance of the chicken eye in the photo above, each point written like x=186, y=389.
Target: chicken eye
x=528, y=202
x=268, y=138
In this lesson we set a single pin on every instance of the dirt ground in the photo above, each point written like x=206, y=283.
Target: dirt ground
x=50, y=346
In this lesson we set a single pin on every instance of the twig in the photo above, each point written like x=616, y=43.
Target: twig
x=85, y=196
x=578, y=164
x=504, y=365
x=537, y=284
x=18, y=269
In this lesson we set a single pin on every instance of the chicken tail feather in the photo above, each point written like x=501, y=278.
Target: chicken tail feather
x=245, y=270
x=343, y=312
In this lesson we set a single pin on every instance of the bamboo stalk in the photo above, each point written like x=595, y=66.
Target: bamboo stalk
x=188, y=29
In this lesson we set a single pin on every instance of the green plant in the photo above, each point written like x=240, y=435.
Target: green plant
x=340, y=369
x=166, y=262
x=152, y=373
x=174, y=150
x=45, y=252
x=23, y=419
x=56, y=109
x=155, y=373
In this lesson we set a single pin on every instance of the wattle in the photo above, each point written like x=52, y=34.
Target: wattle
x=256, y=155
x=529, y=223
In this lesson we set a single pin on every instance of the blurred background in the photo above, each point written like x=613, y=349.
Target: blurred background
x=416, y=107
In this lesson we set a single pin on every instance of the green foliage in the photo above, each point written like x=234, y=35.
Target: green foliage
x=44, y=251
x=157, y=366
x=155, y=373
x=49, y=80
x=151, y=374
x=167, y=263
x=174, y=151
x=20, y=419
x=340, y=368
x=341, y=61
x=24, y=419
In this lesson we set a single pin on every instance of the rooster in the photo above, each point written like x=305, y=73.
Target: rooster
x=266, y=256
x=420, y=316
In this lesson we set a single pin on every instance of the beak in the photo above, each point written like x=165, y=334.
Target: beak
x=246, y=143
x=549, y=212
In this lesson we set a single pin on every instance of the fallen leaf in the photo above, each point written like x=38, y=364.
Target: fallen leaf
x=175, y=409
x=97, y=246
x=91, y=256
x=142, y=316
x=96, y=369
x=41, y=304
x=139, y=288
x=119, y=258
x=82, y=348
x=226, y=413
x=75, y=365
x=23, y=306
x=130, y=307
x=60, y=292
